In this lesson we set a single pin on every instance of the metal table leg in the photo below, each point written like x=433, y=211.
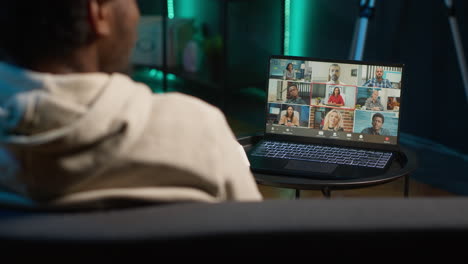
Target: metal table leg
x=326, y=192
x=406, y=186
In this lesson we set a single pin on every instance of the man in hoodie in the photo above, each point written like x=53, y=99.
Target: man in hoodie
x=72, y=128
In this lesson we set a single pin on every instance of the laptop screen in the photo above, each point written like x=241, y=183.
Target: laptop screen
x=341, y=100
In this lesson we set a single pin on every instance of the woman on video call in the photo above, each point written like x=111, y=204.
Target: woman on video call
x=336, y=99
x=289, y=119
x=289, y=73
x=333, y=121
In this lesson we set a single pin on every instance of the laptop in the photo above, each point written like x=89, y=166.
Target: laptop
x=308, y=134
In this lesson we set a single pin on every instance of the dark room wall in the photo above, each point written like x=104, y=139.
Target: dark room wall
x=413, y=32
x=148, y=7
x=255, y=33
x=420, y=37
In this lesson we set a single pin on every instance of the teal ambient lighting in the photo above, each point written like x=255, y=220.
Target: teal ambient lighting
x=153, y=73
x=171, y=77
x=170, y=9
x=159, y=75
x=303, y=15
x=287, y=13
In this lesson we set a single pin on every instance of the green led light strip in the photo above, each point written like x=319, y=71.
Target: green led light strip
x=170, y=9
x=287, y=13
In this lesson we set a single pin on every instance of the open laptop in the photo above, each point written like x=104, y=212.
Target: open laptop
x=334, y=120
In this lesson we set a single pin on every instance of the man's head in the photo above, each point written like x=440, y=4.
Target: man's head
x=379, y=73
x=377, y=121
x=375, y=95
x=293, y=91
x=68, y=35
x=334, y=72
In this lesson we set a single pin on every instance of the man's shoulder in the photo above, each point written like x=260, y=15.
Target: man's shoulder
x=178, y=99
x=385, y=132
x=183, y=107
x=174, y=101
x=175, y=116
x=366, y=130
x=388, y=83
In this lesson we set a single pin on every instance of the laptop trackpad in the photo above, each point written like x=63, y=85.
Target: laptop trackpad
x=310, y=166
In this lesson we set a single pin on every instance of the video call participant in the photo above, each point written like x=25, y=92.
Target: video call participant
x=289, y=119
x=393, y=104
x=289, y=73
x=378, y=81
x=373, y=102
x=334, y=73
x=336, y=99
x=333, y=121
x=294, y=97
x=94, y=129
x=377, y=129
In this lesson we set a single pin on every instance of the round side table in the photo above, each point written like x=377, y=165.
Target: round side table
x=402, y=166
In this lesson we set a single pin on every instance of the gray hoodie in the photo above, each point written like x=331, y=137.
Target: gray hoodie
x=72, y=137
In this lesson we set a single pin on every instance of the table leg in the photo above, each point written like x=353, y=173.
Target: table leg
x=406, y=186
x=298, y=194
x=326, y=192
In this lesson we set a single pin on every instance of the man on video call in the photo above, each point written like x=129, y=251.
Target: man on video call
x=334, y=73
x=294, y=97
x=378, y=81
x=71, y=125
x=373, y=102
x=376, y=128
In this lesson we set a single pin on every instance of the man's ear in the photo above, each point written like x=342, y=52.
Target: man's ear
x=99, y=16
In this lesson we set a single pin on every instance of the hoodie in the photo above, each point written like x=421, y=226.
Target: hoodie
x=74, y=137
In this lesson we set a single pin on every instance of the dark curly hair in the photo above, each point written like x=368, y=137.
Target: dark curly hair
x=32, y=31
x=378, y=115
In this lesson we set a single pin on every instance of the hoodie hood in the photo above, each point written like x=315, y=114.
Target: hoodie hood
x=36, y=107
x=63, y=124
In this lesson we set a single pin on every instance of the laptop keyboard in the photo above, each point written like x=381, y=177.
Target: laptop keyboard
x=326, y=154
